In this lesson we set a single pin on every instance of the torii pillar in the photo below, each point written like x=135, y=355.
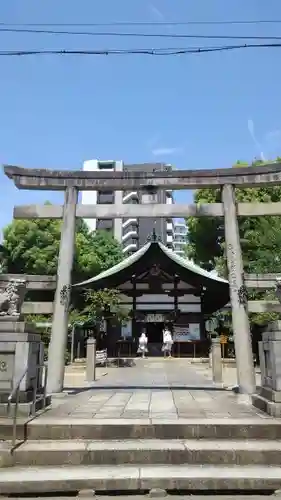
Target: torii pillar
x=238, y=295
x=58, y=341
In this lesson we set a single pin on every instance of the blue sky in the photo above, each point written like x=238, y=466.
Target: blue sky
x=194, y=111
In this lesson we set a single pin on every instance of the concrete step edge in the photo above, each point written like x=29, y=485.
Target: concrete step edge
x=50, y=446
x=72, y=421
x=141, y=477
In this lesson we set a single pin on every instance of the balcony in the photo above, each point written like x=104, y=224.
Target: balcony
x=180, y=229
x=129, y=196
x=132, y=221
x=180, y=243
x=130, y=234
x=132, y=247
x=179, y=252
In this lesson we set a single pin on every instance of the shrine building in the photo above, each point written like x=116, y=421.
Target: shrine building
x=159, y=287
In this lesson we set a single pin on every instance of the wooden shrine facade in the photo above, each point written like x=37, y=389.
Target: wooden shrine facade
x=159, y=287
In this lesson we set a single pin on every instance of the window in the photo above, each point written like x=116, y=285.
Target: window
x=106, y=193
x=106, y=166
x=105, y=224
x=105, y=197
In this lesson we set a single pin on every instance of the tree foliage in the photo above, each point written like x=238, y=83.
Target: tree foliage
x=105, y=303
x=260, y=236
x=32, y=247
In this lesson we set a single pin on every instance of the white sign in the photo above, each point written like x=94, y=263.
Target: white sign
x=126, y=330
x=101, y=357
x=187, y=333
x=155, y=318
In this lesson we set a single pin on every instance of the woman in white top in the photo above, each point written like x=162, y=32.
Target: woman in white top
x=167, y=342
x=143, y=344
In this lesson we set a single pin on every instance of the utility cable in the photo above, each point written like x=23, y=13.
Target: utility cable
x=138, y=35
x=152, y=23
x=152, y=52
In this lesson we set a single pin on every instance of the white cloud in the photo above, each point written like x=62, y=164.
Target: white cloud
x=253, y=135
x=166, y=151
x=156, y=13
x=270, y=142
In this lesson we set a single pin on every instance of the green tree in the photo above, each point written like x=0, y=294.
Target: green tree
x=260, y=238
x=32, y=247
x=107, y=250
x=106, y=303
x=2, y=259
x=259, y=235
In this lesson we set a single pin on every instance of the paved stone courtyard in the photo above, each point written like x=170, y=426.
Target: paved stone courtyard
x=153, y=388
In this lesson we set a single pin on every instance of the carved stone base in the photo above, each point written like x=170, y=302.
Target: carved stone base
x=21, y=351
x=15, y=324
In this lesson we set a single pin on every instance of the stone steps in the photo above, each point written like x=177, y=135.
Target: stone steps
x=39, y=480
x=56, y=454
x=148, y=451
x=158, y=428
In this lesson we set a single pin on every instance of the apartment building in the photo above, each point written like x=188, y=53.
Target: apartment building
x=131, y=232
x=180, y=236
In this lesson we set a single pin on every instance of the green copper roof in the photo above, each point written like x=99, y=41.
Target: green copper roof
x=119, y=267
x=189, y=265
x=185, y=263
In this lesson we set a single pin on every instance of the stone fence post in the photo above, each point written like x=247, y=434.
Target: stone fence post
x=91, y=360
x=216, y=360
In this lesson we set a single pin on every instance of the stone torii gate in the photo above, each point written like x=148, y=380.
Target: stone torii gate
x=71, y=182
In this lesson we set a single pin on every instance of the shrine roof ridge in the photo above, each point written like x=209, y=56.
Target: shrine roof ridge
x=185, y=263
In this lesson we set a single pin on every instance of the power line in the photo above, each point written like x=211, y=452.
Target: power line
x=152, y=52
x=139, y=35
x=151, y=23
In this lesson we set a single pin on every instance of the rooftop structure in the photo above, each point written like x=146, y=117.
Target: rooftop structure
x=132, y=231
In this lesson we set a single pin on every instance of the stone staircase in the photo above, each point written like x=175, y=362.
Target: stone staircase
x=55, y=455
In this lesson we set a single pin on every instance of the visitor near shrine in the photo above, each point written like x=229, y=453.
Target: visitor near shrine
x=143, y=340
x=167, y=343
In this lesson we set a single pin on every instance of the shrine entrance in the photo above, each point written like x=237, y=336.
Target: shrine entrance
x=154, y=332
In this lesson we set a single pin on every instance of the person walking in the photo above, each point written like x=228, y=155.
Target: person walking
x=167, y=342
x=143, y=340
